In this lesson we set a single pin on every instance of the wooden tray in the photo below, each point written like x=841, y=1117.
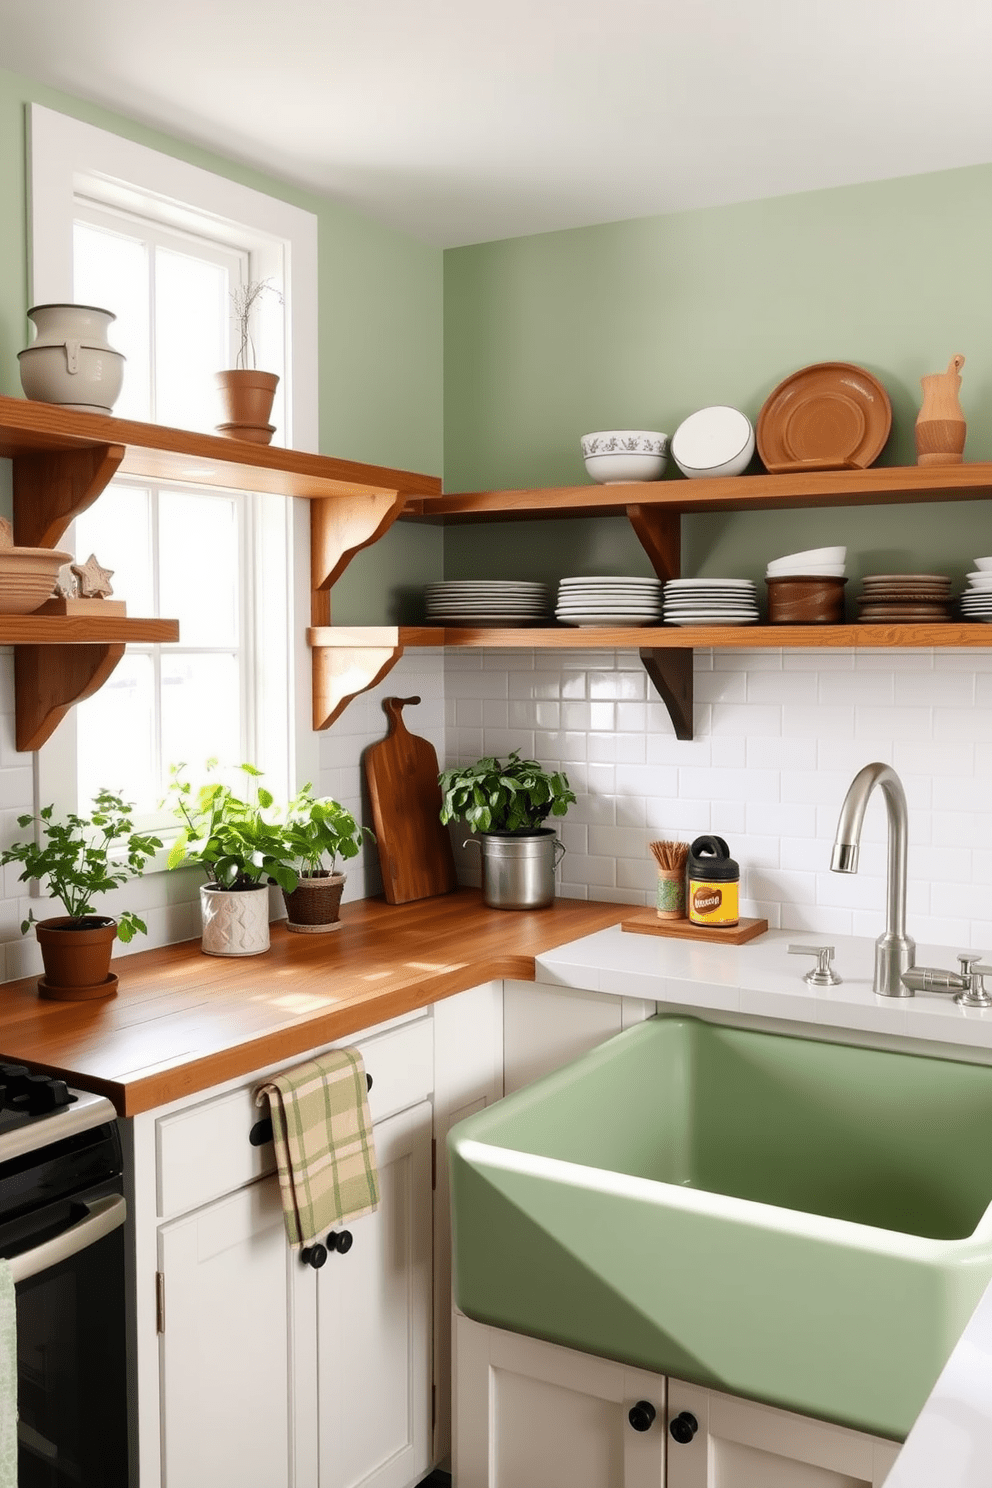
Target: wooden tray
x=646, y=922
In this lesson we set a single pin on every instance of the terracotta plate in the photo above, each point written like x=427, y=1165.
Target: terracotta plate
x=831, y=416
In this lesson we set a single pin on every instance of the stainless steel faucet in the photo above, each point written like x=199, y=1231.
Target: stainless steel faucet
x=895, y=952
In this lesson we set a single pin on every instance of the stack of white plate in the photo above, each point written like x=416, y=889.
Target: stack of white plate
x=828, y=562
x=486, y=602
x=711, y=602
x=976, y=601
x=609, y=601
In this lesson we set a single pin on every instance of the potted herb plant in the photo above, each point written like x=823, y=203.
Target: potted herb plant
x=317, y=831
x=246, y=392
x=507, y=803
x=240, y=849
x=78, y=859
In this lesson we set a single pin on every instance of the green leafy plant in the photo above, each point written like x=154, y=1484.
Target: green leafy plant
x=84, y=856
x=318, y=830
x=493, y=796
x=229, y=836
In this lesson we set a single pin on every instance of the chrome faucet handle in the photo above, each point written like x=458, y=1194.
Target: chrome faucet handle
x=968, y=959
x=975, y=995
x=822, y=974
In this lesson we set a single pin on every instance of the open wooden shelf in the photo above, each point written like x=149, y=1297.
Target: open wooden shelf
x=878, y=486
x=350, y=659
x=63, y=460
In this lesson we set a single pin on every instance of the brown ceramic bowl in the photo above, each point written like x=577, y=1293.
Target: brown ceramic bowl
x=799, y=600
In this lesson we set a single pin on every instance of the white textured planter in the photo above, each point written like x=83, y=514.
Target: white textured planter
x=234, y=924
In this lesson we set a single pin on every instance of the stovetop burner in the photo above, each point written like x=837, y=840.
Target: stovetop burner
x=36, y=1110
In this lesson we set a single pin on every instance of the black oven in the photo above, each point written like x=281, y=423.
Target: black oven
x=61, y=1230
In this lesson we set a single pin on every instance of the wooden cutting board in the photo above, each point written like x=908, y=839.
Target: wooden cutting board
x=414, y=848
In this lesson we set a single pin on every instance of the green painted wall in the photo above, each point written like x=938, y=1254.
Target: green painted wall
x=380, y=340
x=637, y=324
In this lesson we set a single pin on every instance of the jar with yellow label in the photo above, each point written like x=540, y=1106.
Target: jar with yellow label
x=714, y=883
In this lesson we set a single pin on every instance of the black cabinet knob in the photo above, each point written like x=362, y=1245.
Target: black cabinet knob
x=683, y=1428
x=314, y=1255
x=368, y=1080
x=641, y=1416
x=261, y=1132
x=341, y=1241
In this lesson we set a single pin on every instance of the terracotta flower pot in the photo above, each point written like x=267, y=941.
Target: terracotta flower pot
x=77, y=953
x=313, y=906
x=247, y=399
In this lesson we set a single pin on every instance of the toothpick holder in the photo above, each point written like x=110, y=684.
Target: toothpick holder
x=671, y=894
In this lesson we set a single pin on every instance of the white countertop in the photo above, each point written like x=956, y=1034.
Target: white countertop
x=761, y=980
x=951, y=1442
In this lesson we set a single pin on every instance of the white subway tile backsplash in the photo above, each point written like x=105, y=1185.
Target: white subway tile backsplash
x=818, y=720
x=862, y=687
x=730, y=785
x=779, y=736
x=626, y=685
x=782, y=687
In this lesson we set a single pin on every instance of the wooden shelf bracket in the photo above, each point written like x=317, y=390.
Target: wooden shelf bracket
x=340, y=527
x=659, y=532
x=670, y=672
x=342, y=671
x=49, y=679
x=53, y=487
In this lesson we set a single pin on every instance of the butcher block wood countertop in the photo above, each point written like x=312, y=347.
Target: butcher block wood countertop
x=182, y=1021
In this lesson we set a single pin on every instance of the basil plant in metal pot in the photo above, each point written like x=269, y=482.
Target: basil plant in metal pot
x=240, y=844
x=76, y=860
x=507, y=803
x=317, y=831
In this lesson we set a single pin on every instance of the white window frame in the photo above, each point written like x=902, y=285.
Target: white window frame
x=68, y=160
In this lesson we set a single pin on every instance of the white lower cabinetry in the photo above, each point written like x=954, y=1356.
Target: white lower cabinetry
x=529, y=1414
x=374, y=1325
x=225, y=1356
x=741, y=1444
x=260, y=1371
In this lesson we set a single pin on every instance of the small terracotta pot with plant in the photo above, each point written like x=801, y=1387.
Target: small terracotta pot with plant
x=78, y=859
x=317, y=831
x=246, y=393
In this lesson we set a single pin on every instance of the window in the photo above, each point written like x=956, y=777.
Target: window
x=221, y=562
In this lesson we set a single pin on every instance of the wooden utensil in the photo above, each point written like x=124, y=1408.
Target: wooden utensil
x=940, y=424
x=414, y=848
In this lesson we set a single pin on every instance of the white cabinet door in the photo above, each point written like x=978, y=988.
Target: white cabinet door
x=225, y=1371
x=545, y=1027
x=740, y=1444
x=468, y=1075
x=374, y=1324
x=531, y=1415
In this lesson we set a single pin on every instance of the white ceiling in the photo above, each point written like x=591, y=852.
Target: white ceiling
x=460, y=122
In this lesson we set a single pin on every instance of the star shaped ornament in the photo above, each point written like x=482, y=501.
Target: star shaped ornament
x=94, y=581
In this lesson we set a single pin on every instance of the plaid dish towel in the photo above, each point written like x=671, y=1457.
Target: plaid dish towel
x=323, y=1139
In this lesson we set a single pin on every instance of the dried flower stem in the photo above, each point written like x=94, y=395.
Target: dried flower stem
x=244, y=299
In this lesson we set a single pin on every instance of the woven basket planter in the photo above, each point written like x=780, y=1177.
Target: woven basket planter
x=313, y=906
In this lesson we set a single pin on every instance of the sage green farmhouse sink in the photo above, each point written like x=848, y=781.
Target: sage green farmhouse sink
x=797, y=1221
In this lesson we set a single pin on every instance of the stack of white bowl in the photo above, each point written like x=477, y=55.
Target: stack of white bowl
x=976, y=601
x=486, y=602
x=711, y=602
x=828, y=562
x=609, y=601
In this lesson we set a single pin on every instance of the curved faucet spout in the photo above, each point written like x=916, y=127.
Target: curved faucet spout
x=895, y=952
